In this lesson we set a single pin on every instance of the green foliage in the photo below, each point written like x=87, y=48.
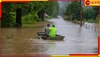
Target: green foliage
x=90, y=14
x=13, y=19
x=29, y=12
x=91, y=20
x=73, y=10
x=51, y=8
x=95, y=12
x=29, y=19
x=68, y=17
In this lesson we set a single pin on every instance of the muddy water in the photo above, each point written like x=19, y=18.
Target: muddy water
x=22, y=40
x=78, y=39
x=19, y=40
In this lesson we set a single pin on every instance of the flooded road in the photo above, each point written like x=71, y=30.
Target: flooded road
x=78, y=40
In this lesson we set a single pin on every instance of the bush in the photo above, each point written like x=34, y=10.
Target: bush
x=68, y=18
x=97, y=20
x=29, y=19
x=13, y=19
x=91, y=20
x=9, y=20
x=65, y=17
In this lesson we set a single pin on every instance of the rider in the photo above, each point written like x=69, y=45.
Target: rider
x=47, y=29
x=53, y=31
x=45, y=32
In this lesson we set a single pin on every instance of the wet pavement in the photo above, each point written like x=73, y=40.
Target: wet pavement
x=78, y=40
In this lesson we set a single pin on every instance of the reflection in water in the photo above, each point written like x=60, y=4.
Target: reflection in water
x=22, y=40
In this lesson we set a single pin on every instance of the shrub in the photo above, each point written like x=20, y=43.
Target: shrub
x=29, y=19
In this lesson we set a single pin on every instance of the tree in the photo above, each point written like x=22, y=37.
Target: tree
x=29, y=11
x=90, y=13
x=73, y=10
x=95, y=12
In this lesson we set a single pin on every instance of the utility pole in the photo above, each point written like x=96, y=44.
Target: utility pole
x=80, y=14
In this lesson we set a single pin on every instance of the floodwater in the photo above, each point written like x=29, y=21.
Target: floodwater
x=78, y=40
